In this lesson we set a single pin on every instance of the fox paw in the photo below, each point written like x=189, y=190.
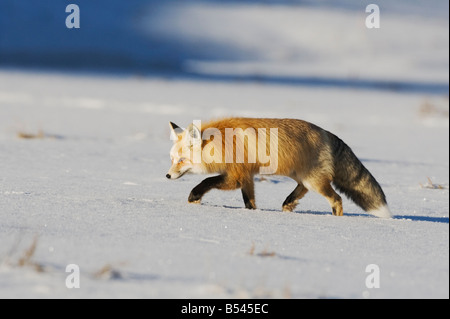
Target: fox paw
x=337, y=211
x=194, y=198
x=250, y=204
x=289, y=207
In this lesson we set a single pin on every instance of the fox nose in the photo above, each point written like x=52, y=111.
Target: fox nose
x=168, y=176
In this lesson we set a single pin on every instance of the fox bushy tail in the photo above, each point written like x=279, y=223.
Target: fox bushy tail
x=355, y=181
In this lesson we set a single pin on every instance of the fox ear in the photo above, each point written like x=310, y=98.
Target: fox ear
x=175, y=131
x=194, y=135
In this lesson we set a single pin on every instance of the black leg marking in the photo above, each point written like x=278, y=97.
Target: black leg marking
x=248, y=192
x=249, y=199
x=206, y=185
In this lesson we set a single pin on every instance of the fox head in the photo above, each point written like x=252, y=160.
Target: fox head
x=186, y=144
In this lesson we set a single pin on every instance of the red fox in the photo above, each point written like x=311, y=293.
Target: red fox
x=310, y=155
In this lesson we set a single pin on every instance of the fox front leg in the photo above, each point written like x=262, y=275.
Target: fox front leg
x=223, y=182
x=205, y=186
x=248, y=194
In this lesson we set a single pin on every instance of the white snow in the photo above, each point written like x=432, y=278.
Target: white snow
x=307, y=41
x=94, y=191
x=91, y=187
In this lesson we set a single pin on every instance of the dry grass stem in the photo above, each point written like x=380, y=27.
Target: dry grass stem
x=108, y=272
x=431, y=185
x=25, y=260
x=264, y=253
x=40, y=134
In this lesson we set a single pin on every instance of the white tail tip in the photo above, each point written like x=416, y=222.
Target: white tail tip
x=382, y=212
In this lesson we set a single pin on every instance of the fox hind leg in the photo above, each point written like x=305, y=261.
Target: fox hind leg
x=324, y=188
x=292, y=200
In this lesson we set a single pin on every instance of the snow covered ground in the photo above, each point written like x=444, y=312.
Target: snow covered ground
x=93, y=190
x=83, y=159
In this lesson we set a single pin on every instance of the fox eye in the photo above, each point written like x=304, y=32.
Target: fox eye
x=181, y=160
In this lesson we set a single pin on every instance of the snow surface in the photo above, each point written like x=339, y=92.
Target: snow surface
x=91, y=190
x=94, y=192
